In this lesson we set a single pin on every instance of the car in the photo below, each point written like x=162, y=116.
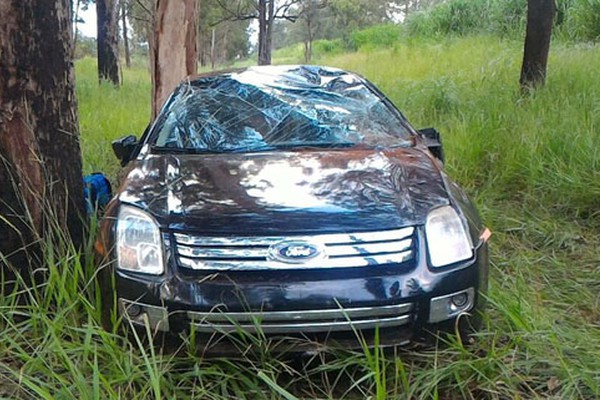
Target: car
x=290, y=201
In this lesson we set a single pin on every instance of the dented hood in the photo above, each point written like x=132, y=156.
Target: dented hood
x=287, y=192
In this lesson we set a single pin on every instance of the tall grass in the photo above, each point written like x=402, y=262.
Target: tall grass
x=106, y=113
x=531, y=164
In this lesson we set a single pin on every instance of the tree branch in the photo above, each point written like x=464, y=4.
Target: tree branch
x=141, y=4
x=140, y=18
x=233, y=18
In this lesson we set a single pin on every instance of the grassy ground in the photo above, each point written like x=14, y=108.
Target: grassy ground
x=531, y=163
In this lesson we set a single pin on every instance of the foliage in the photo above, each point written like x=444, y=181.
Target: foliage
x=578, y=20
x=461, y=17
x=377, y=36
x=582, y=20
x=230, y=37
x=334, y=19
x=352, y=15
x=85, y=47
x=129, y=112
x=329, y=47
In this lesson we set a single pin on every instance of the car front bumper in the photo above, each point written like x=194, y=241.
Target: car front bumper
x=399, y=303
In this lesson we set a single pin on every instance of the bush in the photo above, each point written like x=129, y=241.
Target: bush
x=331, y=47
x=455, y=17
x=377, y=36
x=85, y=47
x=462, y=17
x=578, y=20
x=508, y=17
x=582, y=20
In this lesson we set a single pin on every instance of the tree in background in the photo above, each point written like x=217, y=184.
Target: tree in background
x=353, y=15
x=540, y=14
x=125, y=35
x=107, y=14
x=266, y=12
x=309, y=17
x=140, y=14
x=75, y=7
x=172, y=47
x=332, y=19
x=40, y=158
x=219, y=39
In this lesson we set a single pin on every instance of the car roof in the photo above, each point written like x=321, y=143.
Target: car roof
x=292, y=76
x=270, y=69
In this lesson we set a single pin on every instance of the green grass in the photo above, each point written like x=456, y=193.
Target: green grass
x=532, y=164
x=106, y=113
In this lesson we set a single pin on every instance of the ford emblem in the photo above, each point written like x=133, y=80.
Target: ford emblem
x=295, y=251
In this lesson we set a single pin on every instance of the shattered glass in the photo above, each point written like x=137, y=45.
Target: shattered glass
x=277, y=108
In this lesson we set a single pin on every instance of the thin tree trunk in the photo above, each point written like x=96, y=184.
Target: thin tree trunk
x=108, y=40
x=75, y=19
x=270, y=22
x=40, y=159
x=125, y=38
x=264, y=56
x=308, y=41
x=173, y=47
x=540, y=14
x=212, y=49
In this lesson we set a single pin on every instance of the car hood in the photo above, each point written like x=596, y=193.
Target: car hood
x=286, y=192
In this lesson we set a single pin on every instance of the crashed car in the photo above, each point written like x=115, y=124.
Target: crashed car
x=291, y=201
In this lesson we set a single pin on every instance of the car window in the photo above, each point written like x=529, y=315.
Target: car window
x=271, y=108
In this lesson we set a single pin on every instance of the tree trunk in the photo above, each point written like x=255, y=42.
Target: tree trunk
x=75, y=12
x=264, y=48
x=173, y=47
x=40, y=159
x=308, y=40
x=108, y=40
x=266, y=18
x=125, y=38
x=540, y=14
x=270, y=22
x=212, y=49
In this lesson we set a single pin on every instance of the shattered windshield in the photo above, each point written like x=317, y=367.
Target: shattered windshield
x=269, y=108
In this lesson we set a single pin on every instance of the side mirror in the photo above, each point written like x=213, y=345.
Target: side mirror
x=433, y=141
x=124, y=148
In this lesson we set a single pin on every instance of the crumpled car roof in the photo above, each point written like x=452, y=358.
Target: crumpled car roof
x=269, y=107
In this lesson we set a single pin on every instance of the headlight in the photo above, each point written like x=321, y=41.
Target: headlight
x=139, y=246
x=447, y=239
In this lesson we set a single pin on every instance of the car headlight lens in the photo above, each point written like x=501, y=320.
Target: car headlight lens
x=447, y=239
x=139, y=246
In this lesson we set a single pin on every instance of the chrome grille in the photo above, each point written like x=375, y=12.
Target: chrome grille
x=302, y=321
x=341, y=250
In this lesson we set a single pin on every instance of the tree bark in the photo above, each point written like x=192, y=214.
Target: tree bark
x=540, y=14
x=125, y=38
x=108, y=40
x=264, y=53
x=269, y=31
x=173, y=47
x=40, y=159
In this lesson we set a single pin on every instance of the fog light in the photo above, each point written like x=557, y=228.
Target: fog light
x=449, y=306
x=140, y=314
x=460, y=300
x=134, y=310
